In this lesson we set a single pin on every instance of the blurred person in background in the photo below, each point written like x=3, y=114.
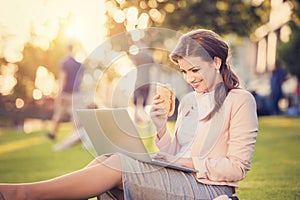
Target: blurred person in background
x=278, y=76
x=261, y=104
x=77, y=136
x=70, y=74
x=143, y=61
x=297, y=92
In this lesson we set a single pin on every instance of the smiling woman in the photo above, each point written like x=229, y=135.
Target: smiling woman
x=215, y=134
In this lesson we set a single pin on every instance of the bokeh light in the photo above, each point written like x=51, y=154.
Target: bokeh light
x=285, y=33
x=45, y=81
x=38, y=22
x=20, y=103
x=37, y=94
x=7, y=78
x=119, y=16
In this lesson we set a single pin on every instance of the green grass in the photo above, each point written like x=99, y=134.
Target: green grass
x=29, y=157
x=275, y=172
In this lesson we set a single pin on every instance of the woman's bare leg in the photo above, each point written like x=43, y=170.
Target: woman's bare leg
x=98, y=160
x=117, y=191
x=81, y=184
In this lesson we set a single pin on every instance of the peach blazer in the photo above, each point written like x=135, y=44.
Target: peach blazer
x=223, y=146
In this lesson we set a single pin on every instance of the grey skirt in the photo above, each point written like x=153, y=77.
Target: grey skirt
x=145, y=181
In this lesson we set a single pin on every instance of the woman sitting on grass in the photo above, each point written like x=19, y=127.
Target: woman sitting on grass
x=215, y=133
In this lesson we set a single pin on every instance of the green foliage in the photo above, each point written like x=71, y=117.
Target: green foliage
x=224, y=17
x=231, y=16
x=289, y=53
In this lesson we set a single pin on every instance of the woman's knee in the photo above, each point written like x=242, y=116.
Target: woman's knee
x=113, y=161
x=97, y=160
x=101, y=158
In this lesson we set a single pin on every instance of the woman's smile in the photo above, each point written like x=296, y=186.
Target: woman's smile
x=196, y=84
x=200, y=74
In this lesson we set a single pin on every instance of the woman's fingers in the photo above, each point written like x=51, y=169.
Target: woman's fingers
x=157, y=99
x=156, y=96
x=159, y=156
x=164, y=157
x=157, y=110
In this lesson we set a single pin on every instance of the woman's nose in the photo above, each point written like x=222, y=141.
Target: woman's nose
x=190, y=77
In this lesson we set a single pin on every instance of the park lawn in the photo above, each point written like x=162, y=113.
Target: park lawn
x=29, y=157
x=275, y=172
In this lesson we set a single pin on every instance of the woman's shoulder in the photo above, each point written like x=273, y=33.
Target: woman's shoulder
x=240, y=94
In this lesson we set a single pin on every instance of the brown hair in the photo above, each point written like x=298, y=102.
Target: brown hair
x=207, y=44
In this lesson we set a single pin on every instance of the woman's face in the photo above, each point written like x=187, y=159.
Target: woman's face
x=200, y=74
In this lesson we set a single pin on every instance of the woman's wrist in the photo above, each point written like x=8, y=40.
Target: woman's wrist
x=161, y=132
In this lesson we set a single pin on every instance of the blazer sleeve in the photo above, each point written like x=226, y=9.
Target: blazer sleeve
x=167, y=143
x=242, y=132
x=164, y=142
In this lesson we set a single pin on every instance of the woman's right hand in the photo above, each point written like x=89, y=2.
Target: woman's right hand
x=158, y=115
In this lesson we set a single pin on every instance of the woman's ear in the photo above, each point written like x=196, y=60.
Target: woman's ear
x=218, y=62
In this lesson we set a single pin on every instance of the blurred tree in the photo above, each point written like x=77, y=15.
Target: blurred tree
x=289, y=52
x=231, y=16
x=240, y=17
x=33, y=57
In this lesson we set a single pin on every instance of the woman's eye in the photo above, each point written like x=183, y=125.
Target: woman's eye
x=182, y=71
x=195, y=70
